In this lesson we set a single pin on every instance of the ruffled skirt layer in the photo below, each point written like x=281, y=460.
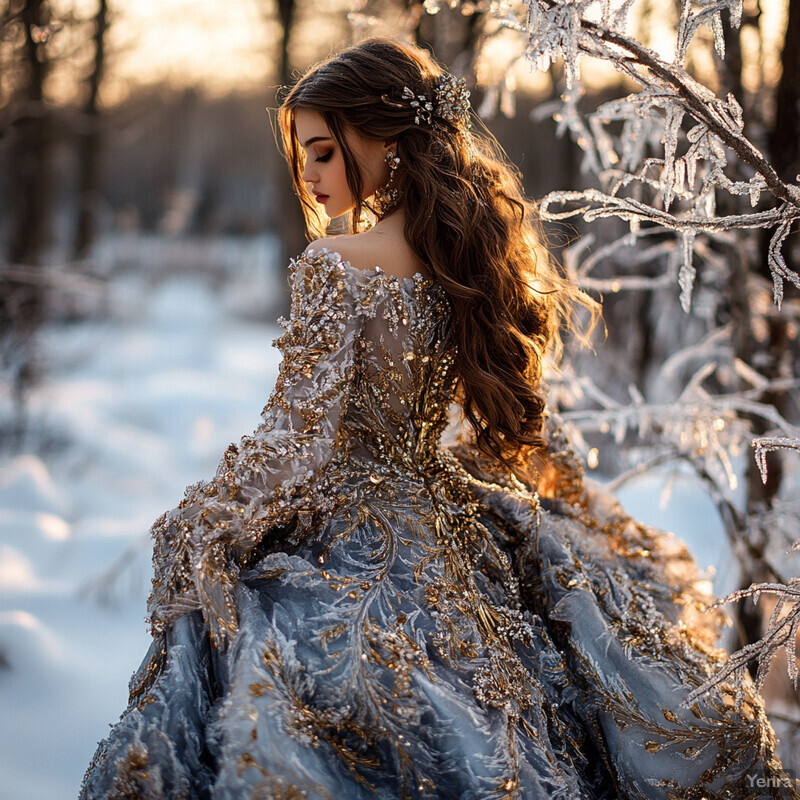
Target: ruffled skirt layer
x=426, y=648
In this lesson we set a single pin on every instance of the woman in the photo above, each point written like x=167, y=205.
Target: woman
x=353, y=609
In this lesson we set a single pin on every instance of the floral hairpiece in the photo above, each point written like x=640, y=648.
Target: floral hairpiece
x=450, y=102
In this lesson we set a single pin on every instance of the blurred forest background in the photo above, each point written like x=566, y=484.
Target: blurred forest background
x=129, y=128
x=136, y=138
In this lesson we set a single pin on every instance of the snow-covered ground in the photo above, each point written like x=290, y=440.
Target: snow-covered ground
x=134, y=408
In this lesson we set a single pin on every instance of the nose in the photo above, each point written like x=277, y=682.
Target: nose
x=309, y=175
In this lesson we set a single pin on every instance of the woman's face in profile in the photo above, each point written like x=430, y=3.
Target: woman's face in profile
x=324, y=172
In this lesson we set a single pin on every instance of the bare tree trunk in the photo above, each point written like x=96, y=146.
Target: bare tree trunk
x=759, y=497
x=748, y=616
x=29, y=197
x=90, y=141
x=30, y=164
x=451, y=34
x=293, y=227
x=286, y=11
x=752, y=620
x=421, y=22
x=750, y=349
x=783, y=137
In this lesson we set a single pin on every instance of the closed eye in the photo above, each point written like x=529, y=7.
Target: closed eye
x=326, y=157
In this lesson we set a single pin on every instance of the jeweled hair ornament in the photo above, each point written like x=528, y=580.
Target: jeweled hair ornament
x=450, y=102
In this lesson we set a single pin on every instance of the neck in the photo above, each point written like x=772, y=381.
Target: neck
x=392, y=223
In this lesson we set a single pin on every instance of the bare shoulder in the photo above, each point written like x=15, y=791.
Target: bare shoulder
x=329, y=242
x=371, y=249
x=337, y=244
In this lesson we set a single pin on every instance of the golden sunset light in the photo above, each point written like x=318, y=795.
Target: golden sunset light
x=224, y=46
x=217, y=45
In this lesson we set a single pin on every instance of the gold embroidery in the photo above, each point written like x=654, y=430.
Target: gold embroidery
x=421, y=559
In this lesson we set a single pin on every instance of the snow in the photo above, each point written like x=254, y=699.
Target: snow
x=134, y=408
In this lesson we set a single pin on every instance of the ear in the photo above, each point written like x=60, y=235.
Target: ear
x=390, y=144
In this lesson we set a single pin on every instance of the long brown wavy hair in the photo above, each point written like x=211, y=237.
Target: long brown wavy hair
x=467, y=219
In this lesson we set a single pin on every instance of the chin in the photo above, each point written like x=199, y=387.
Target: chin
x=333, y=212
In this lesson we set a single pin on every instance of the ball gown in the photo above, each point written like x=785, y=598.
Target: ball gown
x=355, y=608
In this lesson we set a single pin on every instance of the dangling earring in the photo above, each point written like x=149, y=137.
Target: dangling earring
x=387, y=196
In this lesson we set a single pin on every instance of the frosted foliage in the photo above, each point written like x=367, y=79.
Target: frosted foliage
x=674, y=171
x=672, y=161
x=782, y=631
x=554, y=32
x=693, y=425
x=777, y=262
x=767, y=444
x=705, y=12
x=668, y=146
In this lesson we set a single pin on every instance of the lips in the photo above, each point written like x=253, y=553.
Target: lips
x=320, y=198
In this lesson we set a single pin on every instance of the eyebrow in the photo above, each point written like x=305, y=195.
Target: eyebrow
x=316, y=139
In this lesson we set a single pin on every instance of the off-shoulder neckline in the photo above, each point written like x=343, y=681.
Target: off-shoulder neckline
x=373, y=271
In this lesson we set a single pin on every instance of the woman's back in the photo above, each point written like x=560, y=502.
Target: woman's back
x=402, y=380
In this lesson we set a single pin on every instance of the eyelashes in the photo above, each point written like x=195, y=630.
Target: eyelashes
x=326, y=157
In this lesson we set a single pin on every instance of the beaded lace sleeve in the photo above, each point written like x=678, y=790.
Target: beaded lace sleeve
x=274, y=478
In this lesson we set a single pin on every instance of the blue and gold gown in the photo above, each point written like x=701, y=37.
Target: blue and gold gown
x=353, y=609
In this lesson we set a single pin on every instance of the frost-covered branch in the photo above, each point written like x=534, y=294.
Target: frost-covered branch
x=596, y=205
x=560, y=28
x=654, y=116
x=722, y=118
x=708, y=426
x=767, y=444
x=782, y=630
